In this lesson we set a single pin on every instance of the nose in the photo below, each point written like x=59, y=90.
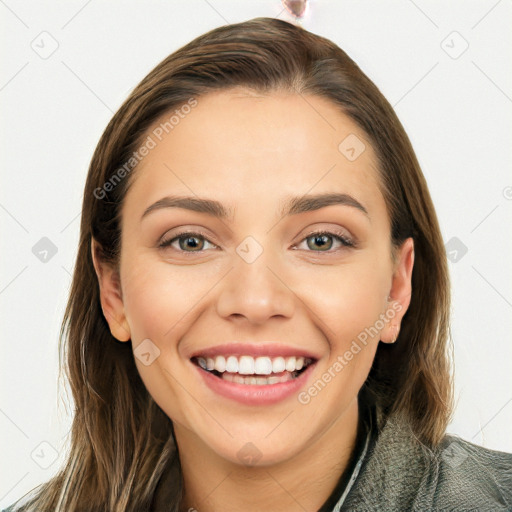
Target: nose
x=256, y=291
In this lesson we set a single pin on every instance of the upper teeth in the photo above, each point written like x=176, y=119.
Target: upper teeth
x=248, y=365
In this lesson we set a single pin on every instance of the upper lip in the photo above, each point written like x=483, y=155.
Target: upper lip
x=253, y=349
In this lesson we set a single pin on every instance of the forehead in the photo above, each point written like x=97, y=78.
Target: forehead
x=242, y=147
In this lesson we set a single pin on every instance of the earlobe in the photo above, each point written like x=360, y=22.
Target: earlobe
x=110, y=295
x=400, y=292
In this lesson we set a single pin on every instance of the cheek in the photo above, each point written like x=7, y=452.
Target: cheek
x=159, y=304
x=350, y=300
x=158, y=300
x=350, y=309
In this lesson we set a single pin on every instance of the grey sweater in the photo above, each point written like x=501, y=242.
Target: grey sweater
x=398, y=473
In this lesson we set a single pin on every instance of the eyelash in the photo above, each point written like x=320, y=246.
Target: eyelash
x=341, y=237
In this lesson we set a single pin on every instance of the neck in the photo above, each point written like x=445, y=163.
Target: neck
x=302, y=482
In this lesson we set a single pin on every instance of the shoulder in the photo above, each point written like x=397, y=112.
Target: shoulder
x=474, y=475
x=401, y=473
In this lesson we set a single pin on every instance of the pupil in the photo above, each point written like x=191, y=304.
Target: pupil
x=191, y=241
x=320, y=240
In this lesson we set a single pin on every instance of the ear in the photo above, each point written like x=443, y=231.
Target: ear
x=110, y=295
x=400, y=292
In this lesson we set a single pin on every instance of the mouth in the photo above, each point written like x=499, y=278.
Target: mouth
x=255, y=371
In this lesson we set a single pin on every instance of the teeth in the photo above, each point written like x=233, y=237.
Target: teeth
x=259, y=381
x=248, y=365
x=290, y=364
x=278, y=365
x=231, y=364
x=263, y=366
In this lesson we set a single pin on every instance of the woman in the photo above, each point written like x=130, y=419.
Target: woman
x=296, y=359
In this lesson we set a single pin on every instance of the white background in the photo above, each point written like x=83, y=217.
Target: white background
x=457, y=112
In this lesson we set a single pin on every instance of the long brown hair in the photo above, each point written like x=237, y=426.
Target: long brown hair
x=122, y=444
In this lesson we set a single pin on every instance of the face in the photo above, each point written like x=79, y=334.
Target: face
x=257, y=277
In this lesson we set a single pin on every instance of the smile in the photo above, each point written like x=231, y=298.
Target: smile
x=233, y=368
x=254, y=380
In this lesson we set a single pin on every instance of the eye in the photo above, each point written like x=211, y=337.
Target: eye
x=196, y=241
x=187, y=240
x=321, y=239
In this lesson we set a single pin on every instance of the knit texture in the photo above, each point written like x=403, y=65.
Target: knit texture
x=399, y=473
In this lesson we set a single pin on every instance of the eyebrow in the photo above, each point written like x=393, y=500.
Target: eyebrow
x=291, y=206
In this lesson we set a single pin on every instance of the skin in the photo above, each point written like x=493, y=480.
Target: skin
x=250, y=152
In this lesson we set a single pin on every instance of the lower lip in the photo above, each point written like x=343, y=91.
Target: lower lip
x=253, y=394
